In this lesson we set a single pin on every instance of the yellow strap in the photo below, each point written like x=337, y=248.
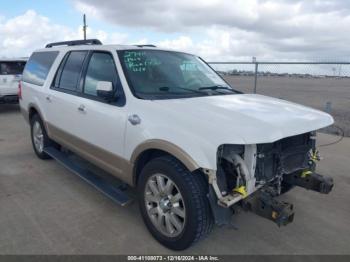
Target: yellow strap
x=314, y=156
x=306, y=173
x=274, y=214
x=241, y=190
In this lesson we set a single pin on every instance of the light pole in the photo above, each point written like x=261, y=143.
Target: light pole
x=84, y=26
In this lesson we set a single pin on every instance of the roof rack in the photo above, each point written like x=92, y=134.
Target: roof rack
x=75, y=42
x=145, y=45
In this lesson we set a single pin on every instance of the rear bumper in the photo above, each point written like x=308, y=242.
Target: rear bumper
x=9, y=99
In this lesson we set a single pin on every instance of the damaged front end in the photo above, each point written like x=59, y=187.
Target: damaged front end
x=254, y=175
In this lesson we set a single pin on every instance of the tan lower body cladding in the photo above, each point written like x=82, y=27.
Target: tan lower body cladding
x=109, y=162
x=114, y=164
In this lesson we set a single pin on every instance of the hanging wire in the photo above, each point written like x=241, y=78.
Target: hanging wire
x=338, y=140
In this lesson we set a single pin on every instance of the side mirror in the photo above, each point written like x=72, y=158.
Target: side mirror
x=105, y=90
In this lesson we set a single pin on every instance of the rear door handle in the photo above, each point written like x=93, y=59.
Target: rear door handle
x=81, y=108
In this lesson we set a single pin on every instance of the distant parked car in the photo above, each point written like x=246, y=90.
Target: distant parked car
x=10, y=75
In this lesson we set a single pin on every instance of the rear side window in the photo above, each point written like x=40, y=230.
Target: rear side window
x=12, y=68
x=38, y=67
x=71, y=71
x=101, y=68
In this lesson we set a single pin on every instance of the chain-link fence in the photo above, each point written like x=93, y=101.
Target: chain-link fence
x=321, y=85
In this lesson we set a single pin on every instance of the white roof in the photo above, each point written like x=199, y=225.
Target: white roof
x=20, y=59
x=103, y=47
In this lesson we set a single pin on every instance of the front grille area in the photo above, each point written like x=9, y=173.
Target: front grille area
x=282, y=157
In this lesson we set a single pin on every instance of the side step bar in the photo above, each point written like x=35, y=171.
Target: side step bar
x=114, y=192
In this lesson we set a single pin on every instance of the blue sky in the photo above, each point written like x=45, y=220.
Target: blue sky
x=63, y=12
x=214, y=29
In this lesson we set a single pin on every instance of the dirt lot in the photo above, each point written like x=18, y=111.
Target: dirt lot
x=45, y=209
x=314, y=92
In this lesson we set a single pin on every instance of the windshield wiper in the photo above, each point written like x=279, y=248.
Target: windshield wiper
x=218, y=87
x=166, y=88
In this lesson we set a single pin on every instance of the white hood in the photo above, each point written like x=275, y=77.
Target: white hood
x=198, y=126
x=243, y=119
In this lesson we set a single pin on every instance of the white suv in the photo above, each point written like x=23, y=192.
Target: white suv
x=10, y=75
x=167, y=123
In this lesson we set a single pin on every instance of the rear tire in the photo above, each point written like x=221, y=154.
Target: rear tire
x=180, y=214
x=39, y=137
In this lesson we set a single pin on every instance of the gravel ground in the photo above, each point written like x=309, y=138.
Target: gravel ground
x=313, y=92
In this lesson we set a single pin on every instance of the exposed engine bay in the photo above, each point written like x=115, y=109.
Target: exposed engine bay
x=253, y=175
x=273, y=160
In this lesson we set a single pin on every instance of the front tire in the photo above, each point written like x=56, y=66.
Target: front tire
x=174, y=203
x=39, y=137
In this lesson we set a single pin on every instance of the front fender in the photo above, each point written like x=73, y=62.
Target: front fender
x=193, y=151
x=168, y=147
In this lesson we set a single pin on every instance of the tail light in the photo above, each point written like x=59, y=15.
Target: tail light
x=19, y=90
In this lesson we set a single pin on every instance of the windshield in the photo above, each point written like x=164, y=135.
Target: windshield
x=155, y=74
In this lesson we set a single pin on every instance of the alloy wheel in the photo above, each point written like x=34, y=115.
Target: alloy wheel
x=165, y=205
x=38, y=137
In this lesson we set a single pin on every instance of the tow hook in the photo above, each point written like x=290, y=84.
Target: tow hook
x=311, y=181
x=265, y=205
